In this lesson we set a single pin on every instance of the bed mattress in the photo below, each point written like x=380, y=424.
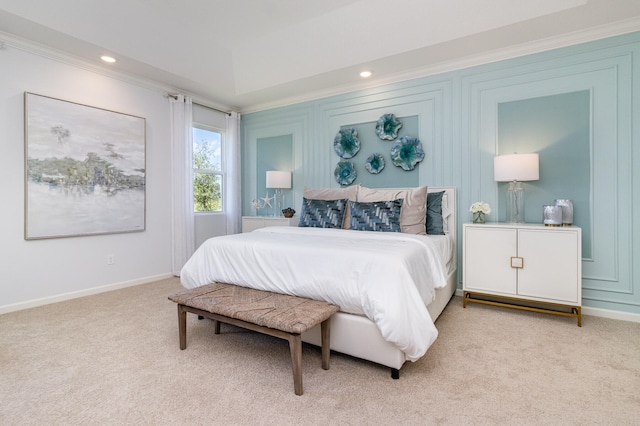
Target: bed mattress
x=387, y=277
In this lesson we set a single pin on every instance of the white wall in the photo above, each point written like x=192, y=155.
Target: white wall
x=41, y=271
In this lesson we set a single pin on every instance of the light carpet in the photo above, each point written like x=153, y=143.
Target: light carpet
x=113, y=359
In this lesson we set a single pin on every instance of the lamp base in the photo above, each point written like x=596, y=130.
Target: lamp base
x=515, y=203
x=277, y=205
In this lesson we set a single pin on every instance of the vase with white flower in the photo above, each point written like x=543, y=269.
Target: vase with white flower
x=479, y=209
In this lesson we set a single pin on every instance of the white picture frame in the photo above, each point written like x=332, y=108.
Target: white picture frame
x=85, y=169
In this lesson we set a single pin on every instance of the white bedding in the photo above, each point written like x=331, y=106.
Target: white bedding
x=388, y=277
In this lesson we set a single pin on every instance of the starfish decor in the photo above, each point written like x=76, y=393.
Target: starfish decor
x=267, y=200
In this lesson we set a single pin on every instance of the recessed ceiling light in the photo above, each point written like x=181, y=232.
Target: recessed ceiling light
x=107, y=59
x=365, y=74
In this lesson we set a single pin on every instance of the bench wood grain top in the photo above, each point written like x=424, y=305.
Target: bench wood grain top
x=279, y=311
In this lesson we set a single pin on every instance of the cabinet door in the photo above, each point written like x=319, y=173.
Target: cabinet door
x=487, y=260
x=551, y=262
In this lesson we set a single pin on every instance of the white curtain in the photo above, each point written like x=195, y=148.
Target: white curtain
x=182, y=216
x=232, y=190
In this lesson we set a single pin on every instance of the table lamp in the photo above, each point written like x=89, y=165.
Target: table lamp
x=516, y=168
x=278, y=180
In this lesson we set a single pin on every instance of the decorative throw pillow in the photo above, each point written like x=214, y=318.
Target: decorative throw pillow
x=322, y=213
x=381, y=216
x=435, y=223
x=350, y=193
x=413, y=217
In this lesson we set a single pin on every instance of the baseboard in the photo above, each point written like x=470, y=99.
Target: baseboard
x=598, y=312
x=607, y=313
x=81, y=293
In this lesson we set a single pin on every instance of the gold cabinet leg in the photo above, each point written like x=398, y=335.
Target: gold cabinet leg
x=578, y=312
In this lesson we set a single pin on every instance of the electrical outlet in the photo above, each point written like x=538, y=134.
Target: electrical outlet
x=111, y=259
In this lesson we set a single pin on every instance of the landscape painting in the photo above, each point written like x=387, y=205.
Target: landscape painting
x=84, y=169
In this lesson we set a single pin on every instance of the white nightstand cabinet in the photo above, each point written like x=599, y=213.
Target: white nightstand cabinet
x=250, y=223
x=524, y=266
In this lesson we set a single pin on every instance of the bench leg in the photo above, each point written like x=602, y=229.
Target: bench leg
x=182, y=326
x=295, y=345
x=325, y=343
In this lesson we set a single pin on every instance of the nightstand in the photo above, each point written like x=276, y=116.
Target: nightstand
x=250, y=223
x=523, y=266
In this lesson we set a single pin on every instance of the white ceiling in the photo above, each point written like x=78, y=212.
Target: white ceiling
x=252, y=54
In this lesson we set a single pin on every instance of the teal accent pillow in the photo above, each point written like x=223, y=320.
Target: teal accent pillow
x=383, y=216
x=322, y=213
x=435, y=223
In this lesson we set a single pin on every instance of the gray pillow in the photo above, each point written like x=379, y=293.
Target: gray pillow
x=322, y=213
x=435, y=223
x=383, y=216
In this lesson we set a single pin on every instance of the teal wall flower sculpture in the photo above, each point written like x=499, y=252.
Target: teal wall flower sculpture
x=345, y=172
x=406, y=152
x=346, y=143
x=374, y=163
x=387, y=127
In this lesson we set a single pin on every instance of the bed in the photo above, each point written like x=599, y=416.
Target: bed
x=391, y=286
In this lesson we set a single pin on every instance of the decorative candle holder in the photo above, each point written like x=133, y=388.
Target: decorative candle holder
x=567, y=211
x=552, y=215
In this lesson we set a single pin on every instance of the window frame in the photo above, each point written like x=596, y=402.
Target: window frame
x=221, y=173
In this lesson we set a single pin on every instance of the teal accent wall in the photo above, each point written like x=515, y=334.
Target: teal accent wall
x=464, y=117
x=391, y=176
x=557, y=128
x=273, y=153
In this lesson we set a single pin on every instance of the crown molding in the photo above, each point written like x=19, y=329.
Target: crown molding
x=47, y=52
x=11, y=41
x=538, y=46
x=577, y=37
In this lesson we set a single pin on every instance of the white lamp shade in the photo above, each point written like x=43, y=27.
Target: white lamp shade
x=276, y=179
x=516, y=167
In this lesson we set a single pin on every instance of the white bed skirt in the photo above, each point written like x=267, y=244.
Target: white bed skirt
x=358, y=336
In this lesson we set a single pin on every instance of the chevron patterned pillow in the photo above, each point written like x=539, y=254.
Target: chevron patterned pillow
x=381, y=216
x=322, y=213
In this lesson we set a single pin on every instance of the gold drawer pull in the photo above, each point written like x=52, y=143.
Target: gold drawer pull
x=517, y=262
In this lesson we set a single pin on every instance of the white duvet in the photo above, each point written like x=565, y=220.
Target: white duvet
x=388, y=277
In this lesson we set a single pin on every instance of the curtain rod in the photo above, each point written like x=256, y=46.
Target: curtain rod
x=169, y=95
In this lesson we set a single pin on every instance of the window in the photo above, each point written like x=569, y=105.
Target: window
x=207, y=169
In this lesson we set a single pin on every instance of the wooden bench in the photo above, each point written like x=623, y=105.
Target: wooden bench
x=278, y=315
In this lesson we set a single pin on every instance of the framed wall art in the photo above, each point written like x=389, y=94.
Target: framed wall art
x=84, y=169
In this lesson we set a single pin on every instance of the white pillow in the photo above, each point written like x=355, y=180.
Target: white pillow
x=350, y=192
x=413, y=216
